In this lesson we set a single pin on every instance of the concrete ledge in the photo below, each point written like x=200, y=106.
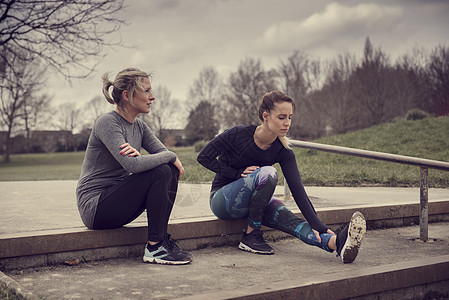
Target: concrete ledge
x=54, y=246
x=398, y=280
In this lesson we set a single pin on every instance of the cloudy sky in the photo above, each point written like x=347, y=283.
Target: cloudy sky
x=175, y=39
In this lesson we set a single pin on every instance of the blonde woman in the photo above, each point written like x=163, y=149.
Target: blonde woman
x=245, y=180
x=117, y=183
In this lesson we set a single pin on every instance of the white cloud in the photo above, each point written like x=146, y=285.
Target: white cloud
x=336, y=22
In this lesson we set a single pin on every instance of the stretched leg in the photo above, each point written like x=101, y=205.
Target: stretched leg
x=278, y=216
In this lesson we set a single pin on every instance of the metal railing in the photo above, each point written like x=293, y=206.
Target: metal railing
x=424, y=164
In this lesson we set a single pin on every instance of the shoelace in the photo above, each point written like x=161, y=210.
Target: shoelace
x=171, y=242
x=258, y=235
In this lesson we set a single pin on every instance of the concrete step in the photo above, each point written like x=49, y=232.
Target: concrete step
x=391, y=264
x=49, y=247
x=415, y=279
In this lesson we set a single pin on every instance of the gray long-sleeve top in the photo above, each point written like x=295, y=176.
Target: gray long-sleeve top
x=104, y=166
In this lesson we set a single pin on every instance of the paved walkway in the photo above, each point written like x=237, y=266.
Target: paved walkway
x=45, y=205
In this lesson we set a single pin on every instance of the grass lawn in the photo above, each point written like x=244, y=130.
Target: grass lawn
x=428, y=138
x=42, y=166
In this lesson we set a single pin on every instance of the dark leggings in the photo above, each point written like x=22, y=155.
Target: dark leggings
x=154, y=190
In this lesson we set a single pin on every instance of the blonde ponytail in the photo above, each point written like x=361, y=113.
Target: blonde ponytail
x=106, y=86
x=129, y=79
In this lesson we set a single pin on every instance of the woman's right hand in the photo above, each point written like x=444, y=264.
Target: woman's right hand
x=249, y=170
x=129, y=151
x=178, y=165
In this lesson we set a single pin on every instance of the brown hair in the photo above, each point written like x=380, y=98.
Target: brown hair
x=129, y=79
x=267, y=103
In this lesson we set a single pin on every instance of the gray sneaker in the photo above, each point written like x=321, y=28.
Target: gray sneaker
x=164, y=253
x=349, y=238
x=175, y=246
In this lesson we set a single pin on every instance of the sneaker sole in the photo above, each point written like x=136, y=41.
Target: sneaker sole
x=153, y=260
x=249, y=249
x=356, y=232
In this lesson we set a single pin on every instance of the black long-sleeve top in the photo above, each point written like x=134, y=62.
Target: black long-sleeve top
x=231, y=152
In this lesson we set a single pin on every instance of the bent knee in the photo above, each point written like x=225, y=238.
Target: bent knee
x=166, y=170
x=267, y=176
x=269, y=172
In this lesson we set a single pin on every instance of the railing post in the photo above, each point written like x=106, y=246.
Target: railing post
x=424, y=205
x=287, y=194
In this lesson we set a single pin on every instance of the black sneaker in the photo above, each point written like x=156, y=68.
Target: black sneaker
x=349, y=238
x=176, y=248
x=164, y=253
x=255, y=243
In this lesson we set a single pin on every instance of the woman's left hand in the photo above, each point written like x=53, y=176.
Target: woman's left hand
x=249, y=170
x=178, y=165
x=317, y=234
x=128, y=150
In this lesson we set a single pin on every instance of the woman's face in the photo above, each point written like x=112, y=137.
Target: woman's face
x=142, y=99
x=280, y=118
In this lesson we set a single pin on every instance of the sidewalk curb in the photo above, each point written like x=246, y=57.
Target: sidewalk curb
x=394, y=279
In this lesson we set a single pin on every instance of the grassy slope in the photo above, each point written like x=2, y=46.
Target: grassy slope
x=427, y=138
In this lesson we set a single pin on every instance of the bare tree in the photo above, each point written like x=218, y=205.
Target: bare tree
x=35, y=107
x=17, y=87
x=208, y=87
x=95, y=108
x=292, y=74
x=409, y=82
x=69, y=120
x=163, y=112
x=62, y=33
x=318, y=115
x=246, y=87
x=438, y=80
x=342, y=110
x=201, y=123
x=292, y=77
x=373, y=85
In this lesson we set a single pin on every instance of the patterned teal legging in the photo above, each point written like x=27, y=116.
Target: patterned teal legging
x=252, y=197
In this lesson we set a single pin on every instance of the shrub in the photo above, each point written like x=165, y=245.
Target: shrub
x=198, y=146
x=416, y=114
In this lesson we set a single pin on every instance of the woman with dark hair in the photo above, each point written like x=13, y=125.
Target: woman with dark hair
x=117, y=183
x=244, y=184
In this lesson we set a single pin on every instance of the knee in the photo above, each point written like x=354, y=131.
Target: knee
x=269, y=171
x=165, y=170
x=268, y=174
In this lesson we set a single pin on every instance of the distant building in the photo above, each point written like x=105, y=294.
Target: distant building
x=51, y=141
x=40, y=141
x=63, y=140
